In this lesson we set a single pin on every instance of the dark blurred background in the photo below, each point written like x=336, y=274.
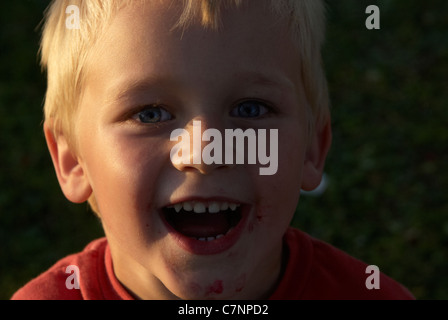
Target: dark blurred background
x=386, y=199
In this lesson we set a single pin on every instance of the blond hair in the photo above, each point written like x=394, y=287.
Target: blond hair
x=64, y=52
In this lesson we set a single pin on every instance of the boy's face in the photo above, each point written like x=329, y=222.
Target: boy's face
x=124, y=149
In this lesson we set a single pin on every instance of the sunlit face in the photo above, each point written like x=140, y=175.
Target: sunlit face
x=147, y=79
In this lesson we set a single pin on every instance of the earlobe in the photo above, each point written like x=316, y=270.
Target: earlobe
x=70, y=173
x=315, y=156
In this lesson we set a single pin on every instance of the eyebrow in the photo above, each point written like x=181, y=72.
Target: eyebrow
x=270, y=80
x=137, y=86
x=128, y=88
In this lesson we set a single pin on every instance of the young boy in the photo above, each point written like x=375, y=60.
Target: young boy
x=135, y=72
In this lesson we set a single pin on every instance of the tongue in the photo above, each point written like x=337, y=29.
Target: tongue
x=201, y=225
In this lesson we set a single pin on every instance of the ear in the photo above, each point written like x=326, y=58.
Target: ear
x=317, y=151
x=71, y=175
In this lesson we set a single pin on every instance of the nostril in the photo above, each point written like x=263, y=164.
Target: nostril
x=201, y=168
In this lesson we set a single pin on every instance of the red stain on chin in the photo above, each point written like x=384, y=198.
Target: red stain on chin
x=215, y=288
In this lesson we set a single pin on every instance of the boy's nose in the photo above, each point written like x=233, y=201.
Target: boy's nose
x=198, y=151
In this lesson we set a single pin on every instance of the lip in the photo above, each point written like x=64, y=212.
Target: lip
x=216, y=246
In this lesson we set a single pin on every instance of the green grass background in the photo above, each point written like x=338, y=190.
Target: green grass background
x=386, y=202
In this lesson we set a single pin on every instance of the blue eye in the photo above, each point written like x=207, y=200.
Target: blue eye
x=250, y=109
x=153, y=114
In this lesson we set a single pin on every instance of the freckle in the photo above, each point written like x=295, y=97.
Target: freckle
x=216, y=288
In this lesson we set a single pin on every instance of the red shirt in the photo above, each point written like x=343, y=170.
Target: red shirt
x=315, y=270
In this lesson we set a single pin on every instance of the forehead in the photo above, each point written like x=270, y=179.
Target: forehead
x=142, y=41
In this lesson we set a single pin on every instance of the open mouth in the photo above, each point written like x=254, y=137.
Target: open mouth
x=203, y=221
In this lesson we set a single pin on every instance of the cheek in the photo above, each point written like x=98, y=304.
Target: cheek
x=291, y=155
x=279, y=193
x=292, y=150
x=124, y=175
x=118, y=175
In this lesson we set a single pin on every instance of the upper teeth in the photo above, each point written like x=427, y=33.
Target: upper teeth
x=202, y=207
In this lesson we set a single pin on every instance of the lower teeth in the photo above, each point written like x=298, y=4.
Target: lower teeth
x=212, y=238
